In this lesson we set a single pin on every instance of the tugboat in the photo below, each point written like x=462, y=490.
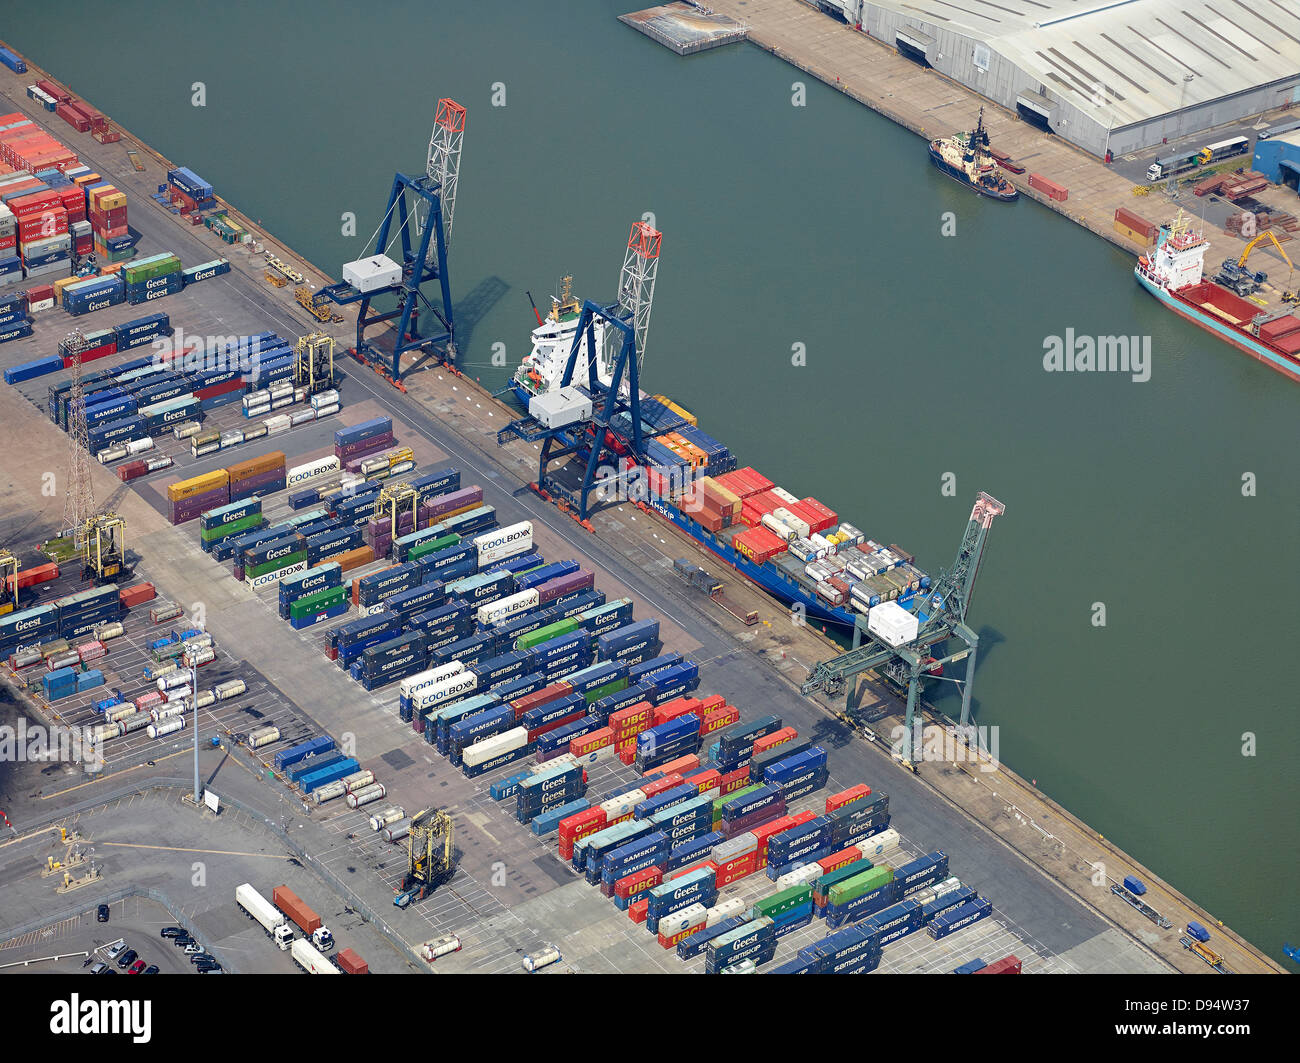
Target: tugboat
x=965, y=157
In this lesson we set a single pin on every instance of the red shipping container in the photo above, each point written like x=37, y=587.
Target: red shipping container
x=137, y=595
x=1007, y=965
x=589, y=743
x=764, y=832
x=693, y=867
x=627, y=752
x=8, y=243
x=734, y=780
x=631, y=721
x=21, y=206
x=682, y=764
x=682, y=935
x=637, y=910
x=670, y=710
x=539, y=697
x=776, y=738
x=131, y=470
x=737, y=869
x=708, y=521
x=36, y=295
x=638, y=882
x=843, y=858
x=32, y=577
x=705, y=780
x=49, y=223
x=1050, y=188
x=759, y=544
x=713, y=701
x=51, y=88
x=74, y=118
x=847, y=797
x=658, y=785
x=580, y=824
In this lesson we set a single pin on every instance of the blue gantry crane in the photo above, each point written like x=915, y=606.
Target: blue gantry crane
x=940, y=613
x=422, y=208
x=575, y=418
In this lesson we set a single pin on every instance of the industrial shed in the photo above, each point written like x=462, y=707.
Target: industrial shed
x=1117, y=75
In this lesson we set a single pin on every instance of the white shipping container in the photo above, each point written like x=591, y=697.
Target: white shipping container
x=494, y=746
x=165, y=727
x=109, y=631
x=946, y=886
x=799, y=877
x=448, y=690
x=101, y=732
x=302, y=416
x=800, y=526
x=328, y=792
x=120, y=712
x=504, y=608
x=186, y=429
x=279, y=423
x=367, y=794
x=724, y=910
x=782, y=530
x=429, y=677
x=622, y=804
x=39, y=305
x=676, y=922
x=302, y=473
x=154, y=464
x=878, y=844
x=263, y=736
x=784, y=495
x=497, y=545
x=892, y=624
x=324, y=398
x=134, y=722
x=385, y=816
x=204, y=699
x=111, y=454
x=139, y=446
x=166, y=712
x=173, y=679
x=325, y=411
x=178, y=694
x=357, y=779
x=231, y=688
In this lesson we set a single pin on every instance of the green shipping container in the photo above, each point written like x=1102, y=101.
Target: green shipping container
x=275, y=565
x=840, y=875
x=717, y=805
x=318, y=602
x=236, y=527
x=149, y=268
x=417, y=551
x=550, y=631
x=843, y=892
x=782, y=902
x=596, y=693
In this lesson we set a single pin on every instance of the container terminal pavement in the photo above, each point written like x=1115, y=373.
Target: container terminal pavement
x=753, y=770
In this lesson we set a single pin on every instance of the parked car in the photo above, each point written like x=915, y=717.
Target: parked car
x=207, y=965
x=137, y=967
x=127, y=958
x=99, y=968
x=193, y=948
x=173, y=932
x=101, y=913
x=151, y=969
x=182, y=941
x=114, y=950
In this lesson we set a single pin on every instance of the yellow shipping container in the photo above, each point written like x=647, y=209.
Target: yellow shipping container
x=112, y=201
x=183, y=489
x=1141, y=239
x=62, y=283
x=87, y=179
x=684, y=414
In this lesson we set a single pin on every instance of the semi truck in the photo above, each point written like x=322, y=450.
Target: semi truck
x=306, y=920
x=258, y=908
x=310, y=958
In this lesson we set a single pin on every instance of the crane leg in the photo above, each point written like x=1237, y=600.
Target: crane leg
x=973, y=641
x=913, y=686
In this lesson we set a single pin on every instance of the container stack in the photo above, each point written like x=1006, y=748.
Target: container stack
x=152, y=278
x=361, y=440
x=188, y=499
x=106, y=212
x=94, y=293
x=43, y=238
x=81, y=613
x=15, y=324
x=189, y=191
x=257, y=476
x=236, y=518
x=10, y=263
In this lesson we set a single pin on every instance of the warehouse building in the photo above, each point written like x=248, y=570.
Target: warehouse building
x=1278, y=158
x=1106, y=75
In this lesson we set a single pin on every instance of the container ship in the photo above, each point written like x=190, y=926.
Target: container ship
x=1173, y=271
x=542, y=367
x=796, y=549
x=966, y=158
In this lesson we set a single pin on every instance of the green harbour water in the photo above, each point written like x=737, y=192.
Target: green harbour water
x=822, y=226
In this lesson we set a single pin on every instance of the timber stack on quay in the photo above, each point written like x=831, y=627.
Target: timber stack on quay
x=627, y=540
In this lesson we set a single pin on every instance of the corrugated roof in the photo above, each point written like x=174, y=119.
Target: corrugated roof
x=1126, y=61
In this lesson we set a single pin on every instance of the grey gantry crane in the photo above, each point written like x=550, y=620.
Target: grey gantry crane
x=941, y=611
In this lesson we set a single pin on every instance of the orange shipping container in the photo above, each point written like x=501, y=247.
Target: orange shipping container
x=255, y=466
x=351, y=559
x=196, y=485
